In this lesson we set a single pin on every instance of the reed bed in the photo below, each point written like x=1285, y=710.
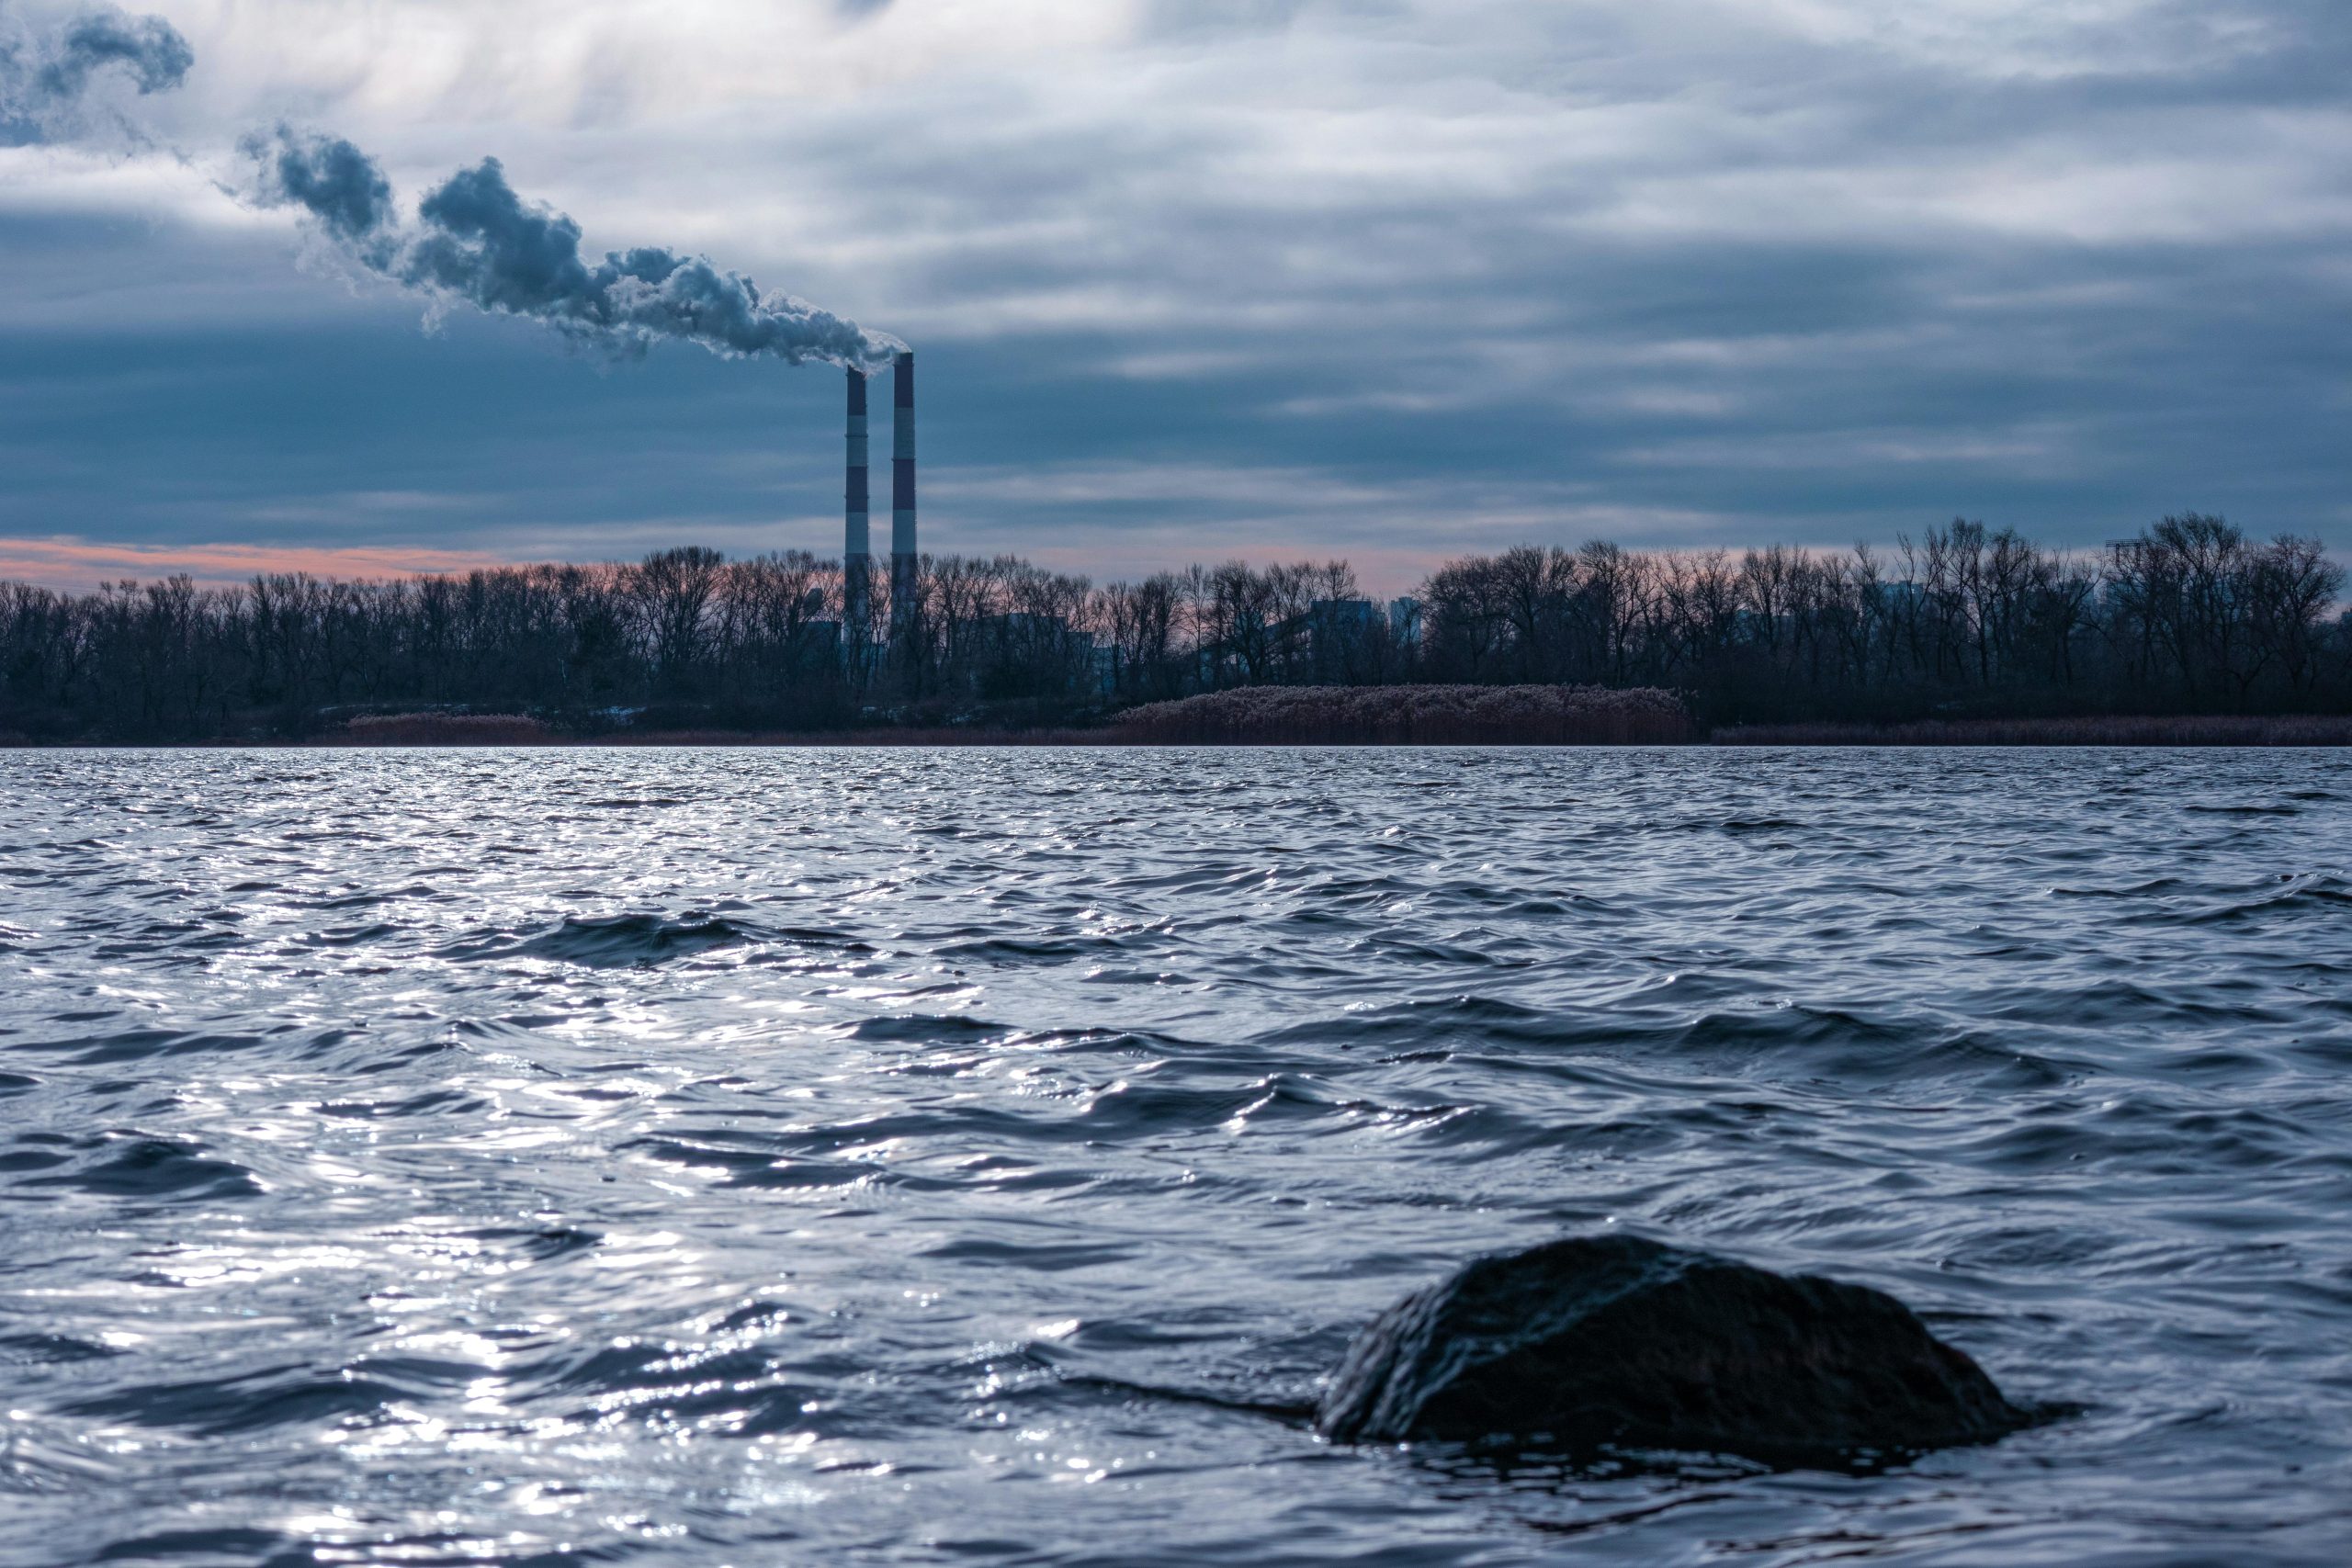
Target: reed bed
x=441, y=729
x=1414, y=715
x=878, y=736
x=2306, y=730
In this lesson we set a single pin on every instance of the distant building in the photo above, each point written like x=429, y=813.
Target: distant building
x=1345, y=614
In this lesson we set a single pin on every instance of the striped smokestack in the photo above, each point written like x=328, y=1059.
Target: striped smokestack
x=857, y=547
x=902, y=493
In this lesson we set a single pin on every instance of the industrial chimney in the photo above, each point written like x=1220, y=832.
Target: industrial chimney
x=902, y=495
x=857, y=537
x=857, y=548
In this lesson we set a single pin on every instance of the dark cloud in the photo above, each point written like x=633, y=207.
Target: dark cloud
x=2075, y=424
x=44, y=77
x=476, y=242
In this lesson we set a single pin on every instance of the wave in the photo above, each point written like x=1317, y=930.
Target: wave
x=288, y=1394
x=132, y=1166
x=614, y=942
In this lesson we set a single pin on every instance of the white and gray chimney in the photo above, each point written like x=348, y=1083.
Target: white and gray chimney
x=902, y=493
x=857, y=546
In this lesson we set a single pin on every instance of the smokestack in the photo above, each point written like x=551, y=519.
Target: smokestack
x=857, y=548
x=478, y=240
x=902, y=493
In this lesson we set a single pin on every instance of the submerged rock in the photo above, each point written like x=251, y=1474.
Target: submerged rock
x=1634, y=1344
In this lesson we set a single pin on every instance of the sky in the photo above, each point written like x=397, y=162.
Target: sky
x=1390, y=280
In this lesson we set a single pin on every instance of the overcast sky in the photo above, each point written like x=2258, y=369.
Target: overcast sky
x=1192, y=278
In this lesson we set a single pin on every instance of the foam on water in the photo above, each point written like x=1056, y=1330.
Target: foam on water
x=735, y=1156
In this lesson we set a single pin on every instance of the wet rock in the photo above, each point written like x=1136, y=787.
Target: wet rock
x=1633, y=1344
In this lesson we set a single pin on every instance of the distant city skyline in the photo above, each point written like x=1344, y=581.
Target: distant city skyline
x=1278, y=280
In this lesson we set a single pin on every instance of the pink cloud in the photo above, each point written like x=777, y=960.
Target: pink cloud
x=81, y=565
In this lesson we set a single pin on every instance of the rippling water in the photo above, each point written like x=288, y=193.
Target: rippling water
x=764, y=1157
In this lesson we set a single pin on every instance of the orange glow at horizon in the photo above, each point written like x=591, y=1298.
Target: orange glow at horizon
x=80, y=565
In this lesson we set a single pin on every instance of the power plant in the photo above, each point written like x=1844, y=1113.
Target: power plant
x=861, y=644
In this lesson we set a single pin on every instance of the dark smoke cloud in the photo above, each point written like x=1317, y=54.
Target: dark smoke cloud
x=43, y=79
x=150, y=48
x=336, y=183
x=476, y=242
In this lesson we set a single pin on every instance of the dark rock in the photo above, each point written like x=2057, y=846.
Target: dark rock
x=1633, y=1344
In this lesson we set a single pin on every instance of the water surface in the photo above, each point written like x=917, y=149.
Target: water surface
x=747, y=1158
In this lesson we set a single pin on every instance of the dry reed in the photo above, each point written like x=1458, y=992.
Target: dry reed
x=441, y=729
x=877, y=736
x=1414, y=715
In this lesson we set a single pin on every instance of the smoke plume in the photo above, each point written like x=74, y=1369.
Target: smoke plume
x=46, y=77
x=474, y=241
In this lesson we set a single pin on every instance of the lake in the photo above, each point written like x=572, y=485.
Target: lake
x=876, y=1155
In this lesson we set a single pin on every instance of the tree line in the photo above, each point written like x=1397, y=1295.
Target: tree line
x=2190, y=617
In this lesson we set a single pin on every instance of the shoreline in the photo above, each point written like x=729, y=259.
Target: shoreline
x=2294, y=732
x=2141, y=732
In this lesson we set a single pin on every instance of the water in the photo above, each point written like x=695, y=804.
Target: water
x=774, y=1157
